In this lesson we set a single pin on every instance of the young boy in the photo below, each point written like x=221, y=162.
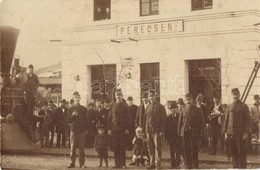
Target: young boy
x=140, y=152
x=101, y=145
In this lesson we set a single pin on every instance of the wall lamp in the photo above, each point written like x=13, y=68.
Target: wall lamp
x=76, y=77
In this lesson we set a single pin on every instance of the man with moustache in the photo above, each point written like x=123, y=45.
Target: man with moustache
x=118, y=125
x=191, y=129
x=155, y=124
x=237, y=129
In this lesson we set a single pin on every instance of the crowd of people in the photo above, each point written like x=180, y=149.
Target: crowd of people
x=189, y=127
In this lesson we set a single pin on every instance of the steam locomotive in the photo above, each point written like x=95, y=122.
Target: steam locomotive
x=13, y=100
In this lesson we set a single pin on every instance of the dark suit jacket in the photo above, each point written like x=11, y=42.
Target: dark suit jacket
x=191, y=119
x=237, y=120
x=61, y=119
x=140, y=117
x=79, y=123
x=118, y=117
x=155, y=118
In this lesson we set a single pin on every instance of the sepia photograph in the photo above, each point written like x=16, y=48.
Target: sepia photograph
x=129, y=84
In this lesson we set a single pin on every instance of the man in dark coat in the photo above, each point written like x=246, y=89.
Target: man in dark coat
x=61, y=127
x=215, y=115
x=132, y=109
x=237, y=129
x=191, y=129
x=155, y=129
x=30, y=88
x=93, y=117
x=118, y=125
x=79, y=123
x=204, y=142
x=171, y=135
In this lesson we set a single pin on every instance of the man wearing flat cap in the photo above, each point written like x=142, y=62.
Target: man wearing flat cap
x=155, y=128
x=118, y=124
x=255, y=118
x=79, y=125
x=191, y=128
x=237, y=129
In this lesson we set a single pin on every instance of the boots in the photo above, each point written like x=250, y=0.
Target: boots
x=106, y=162
x=100, y=163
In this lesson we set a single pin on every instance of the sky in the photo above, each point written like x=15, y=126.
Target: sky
x=39, y=22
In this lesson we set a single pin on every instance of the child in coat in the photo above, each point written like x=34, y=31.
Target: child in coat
x=140, y=151
x=101, y=145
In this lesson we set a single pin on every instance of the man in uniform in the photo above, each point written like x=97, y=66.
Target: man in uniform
x=237, y=129
x=191, y=129
x=118, y=125
x=79, y=122
x=155, y=127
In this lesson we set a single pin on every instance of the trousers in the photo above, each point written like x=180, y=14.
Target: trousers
x=77, y=139
x=154, y=148
x=190, y=146
x=119, y=147
x=238, y=151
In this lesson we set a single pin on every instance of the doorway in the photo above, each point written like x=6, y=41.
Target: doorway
x=205, y=78
x=103, y=81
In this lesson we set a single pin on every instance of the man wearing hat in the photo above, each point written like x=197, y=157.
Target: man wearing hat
x=237, y=129
x=155, y=125
x=53, y=108
x=118, y=125
x=61, y=127
x=172, y=136
x=255, y=118
x=191, y=129
x=79, y=123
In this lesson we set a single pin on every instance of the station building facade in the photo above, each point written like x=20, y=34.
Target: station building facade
x=171, y=46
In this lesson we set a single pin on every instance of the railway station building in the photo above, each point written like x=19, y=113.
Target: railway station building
x=171, y=46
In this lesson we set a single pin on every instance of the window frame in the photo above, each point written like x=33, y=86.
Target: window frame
x=201, y=8
x=150, y=8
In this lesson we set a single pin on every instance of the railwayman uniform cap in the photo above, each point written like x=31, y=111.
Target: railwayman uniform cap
x=224, y=105
x=152, y=93
x=256, y=97
x=173, y=105
x=63, y=101
x=180, y=101
x=76, y=93
x=144, y=95
x=118, y=91
x=101, y=127
x=235, y=91
x=130, y=98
